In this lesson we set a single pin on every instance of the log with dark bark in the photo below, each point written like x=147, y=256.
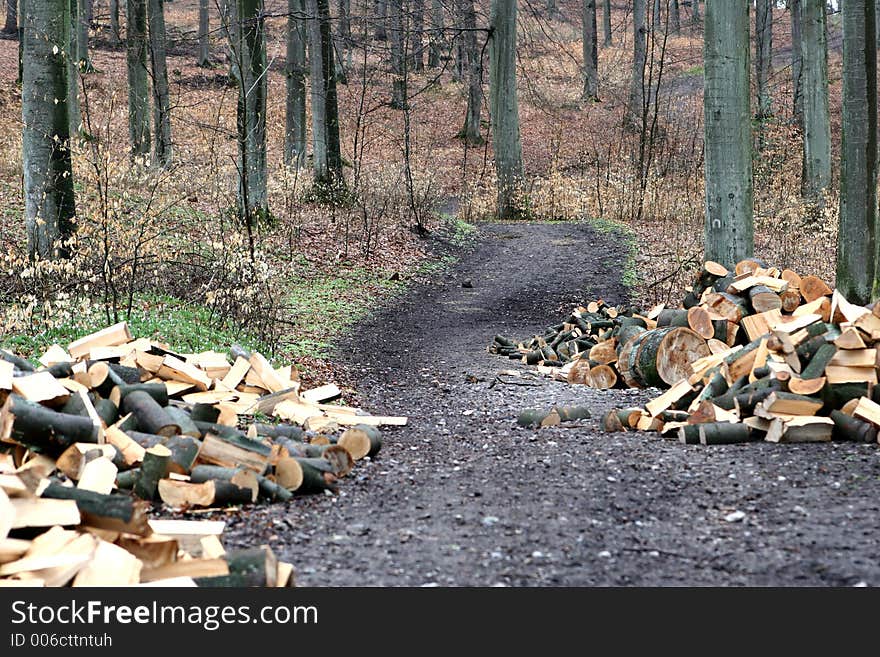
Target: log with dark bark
x=151, y=417
x=153, y=469
x=115, y=512
x=43, y=429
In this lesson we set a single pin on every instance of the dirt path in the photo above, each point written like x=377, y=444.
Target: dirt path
x=462, y=496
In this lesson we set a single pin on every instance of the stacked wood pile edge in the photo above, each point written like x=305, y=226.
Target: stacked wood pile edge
x=100, y=432
x=756, y=353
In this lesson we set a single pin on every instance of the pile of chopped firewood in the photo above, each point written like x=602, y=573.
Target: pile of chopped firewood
x=754, y=354
x=111, y=425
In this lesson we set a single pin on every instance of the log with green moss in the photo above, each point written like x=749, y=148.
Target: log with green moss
x=724, y=433
x=43, y=429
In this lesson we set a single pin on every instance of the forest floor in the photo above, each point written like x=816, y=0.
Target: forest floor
x=463, y=496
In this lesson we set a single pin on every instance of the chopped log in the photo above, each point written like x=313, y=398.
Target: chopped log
x=247, y=568
x=204, y=413
x=801, y=386
x=689, y=434
x=340, y=460
x=605, y=352
x=850, y=338
x=844, y=374
x=800, y=430
x=244, y=452
x=820, y=306
x=290, y=431
x=115, y=512
x=182, y=495
x=151, y=417
x=763, y=299
x=730, y=307
x=314, y=480
x=325, y=393
x=153, y=469
x=700, y=322
x=724, y=433
x=361, y=441
x=791, y=299
x=38, y=427
x=868, y=411
x=813, y=287
x=106, y=411
x=537, y=418
x=668, y=398
x=157, y=391
x=760, y=324
x=184, y=452
x=664, y=356
x=17, y=362
x=611, y=422
x=153, y=551
x=182, y=419
x=195, y=568
x=72, y=460
x=847, y=428
x=98, y=476
x=820, y=360
x=288, y=473
x=672, y=317
x=602, y=377
x=111, y=565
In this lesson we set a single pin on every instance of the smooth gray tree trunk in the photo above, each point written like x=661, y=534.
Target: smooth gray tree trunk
x=398, y=54
x=48, y=177
x=346, y=48
x=114, y=21
x=656, y=16
x=695, y=11
x=326, y=147
x=856, y=243
x=674, y=18
x=204, y=59
x=636, y=105
x=297, y=70
x=795, y=7
x=606, y=23
x=763, y=55
x=435, y=43
x=74, y=71
x=137, y=48
x=817, y=122
x=729, y=231
x=416, y=46
x=82, y=35
x=471, y=130
x=381, y=33
x=249, y=64
x=159, y=69
x=504, y=108
x=591, y=51
x=11, y=26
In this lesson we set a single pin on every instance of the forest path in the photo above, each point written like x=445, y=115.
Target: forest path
x=463, y=496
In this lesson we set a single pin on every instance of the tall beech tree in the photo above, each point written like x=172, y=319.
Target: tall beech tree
x=606, y=23
x=473, y=56
x=504, y=108
x=249, y=66
x=296, y=71
x=48, y=176
x=729, y=231
x=816, y=120
x=204, y=57
x=591, y=52
x=159, y=71
x=137, y=48
x=795, y=9
x=435, y=40
x=856, y=243
x=763, y=55
x=636, y=105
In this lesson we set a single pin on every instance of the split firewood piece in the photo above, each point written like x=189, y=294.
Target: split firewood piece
x=325, y=393
x=55, y=354
x=848, y=428
x=760, y=360
x=184, y=453
x=151, y=417
x=820, y=306
x=361, y=440
x=813, y=287
x=868, y=411
x=240, y=477
x=54, y=569
x=41, y=388
x=12, y=549
x=869, y=323
x=111, y=565
x=7, y=515
x=269, y=377
x=727, y=306
x=846, y=374
x=131, y=451
x=183, y=495
x=855, y=358
x=36, y=426
x=115, y=512
x=193, y=568
x=668, y=398
x=791, y=404
x=212, y=548
x=801, y=386
x=795, y=323
x=177, y=370
x=760, y=324
x=72, y=460
x=723, y=433
x=763, y=299
x=153, y=551
x=153, y=469
x=98, y=475
x=108, y=337
x=800, y=430
x=36, y=512
x=229, y=452
x=188, y=533
x=844, y=311
x=850, y=338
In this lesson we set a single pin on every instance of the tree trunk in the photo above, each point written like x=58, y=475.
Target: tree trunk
x=82, y=36
x=729, y=235
x=504, y=108
x=204, y=59
x=73, y=73
x=656, y=16
x=471, y=130
x=295, y=121
x=858, y=155
x=48, y=180
x=114, y=21
x=606, y=22
x=674, y=17
x=591, y=52
x=416, y=46
x=816, y=120
x=11, y=26
x=161, y=101
x=137, y=47
x=398, y=58
x=381, y=33
x=640, y=53
x=763, y=55
x=346, y=47
x=796, y=9
x=249, y=63
x=327, y=156
x=436, y=40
